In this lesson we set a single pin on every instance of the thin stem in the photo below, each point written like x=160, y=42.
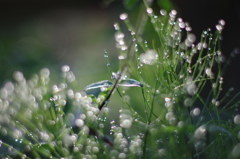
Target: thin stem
x=15, y=150
x=129, y=57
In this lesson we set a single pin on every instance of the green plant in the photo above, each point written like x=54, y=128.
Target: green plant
x=174, y=120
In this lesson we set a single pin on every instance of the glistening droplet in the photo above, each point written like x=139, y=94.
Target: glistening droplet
x=123, y=16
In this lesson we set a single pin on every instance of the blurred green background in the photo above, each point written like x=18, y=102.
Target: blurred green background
x=38, y=34
x=34, y=35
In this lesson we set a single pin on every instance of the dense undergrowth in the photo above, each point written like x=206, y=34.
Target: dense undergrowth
x=183, y=113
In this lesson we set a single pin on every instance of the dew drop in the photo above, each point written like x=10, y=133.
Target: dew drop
x=169, y=115
x=45, y=73
x=163, y=12
x=70, y=93
x=133, y=33
x=149, y=10
x=217, y=103
x=190, y=87
x=196, y=111
x=221, y=22
x=214, y=85
x=174, y=12
x=23, y=156
x=173, y=121
x=188, y=102
x=121, y=57
x=219, y=27
x=75, y=149
x=79, y=123
x=82, y=116
x=18, y=76
x=204, y=45
x=167, y=99
x=123, y=16
x=180, y=20
x=200, y=132
x=65, y=68
x=78, y=95
x=119, y=36
x=191, y=38
x=181, y=25
x=122, y=156
x=221, y=80
x=236, y=119
x=180, y=124
x=208, y=71
x=70, y=77
x=149, y=58
x=213, y=101
x=9, y=87
x=95, y=149
x=90, y=114
x=116, y=26
x=188, y=28
x=105, y=55
x=105, y=110
x=181, y=76
x=126, y=123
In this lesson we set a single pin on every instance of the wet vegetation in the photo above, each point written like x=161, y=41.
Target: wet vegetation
x=182, y=112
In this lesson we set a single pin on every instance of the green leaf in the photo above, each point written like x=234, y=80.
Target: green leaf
x=130, y=83
x=95, y=88
x=129, y=4
x=105, y=83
